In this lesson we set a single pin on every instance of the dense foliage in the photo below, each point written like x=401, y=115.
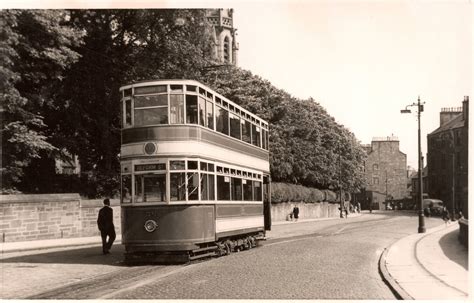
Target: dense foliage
x=307, y=146
x=61, y=71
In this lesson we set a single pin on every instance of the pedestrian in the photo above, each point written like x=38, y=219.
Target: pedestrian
x=296, y=212
x=105, y=222
x=358, y=207
x=345, y=211
x=445, y=215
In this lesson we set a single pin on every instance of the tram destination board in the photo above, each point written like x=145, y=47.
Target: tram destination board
x=154, y=166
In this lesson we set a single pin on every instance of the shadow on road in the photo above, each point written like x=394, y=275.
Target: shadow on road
x=85, y=255
x=453, y=249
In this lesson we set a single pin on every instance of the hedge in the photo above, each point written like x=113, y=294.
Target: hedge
x=284, y=192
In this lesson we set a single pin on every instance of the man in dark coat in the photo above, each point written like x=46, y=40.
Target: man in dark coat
x=106, y=226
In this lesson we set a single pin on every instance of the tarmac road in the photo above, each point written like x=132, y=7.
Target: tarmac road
x=333, y=259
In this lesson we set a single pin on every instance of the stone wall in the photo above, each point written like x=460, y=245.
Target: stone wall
x=280, y=211
x=55, y=216
x=50, y=216
x=464, y=232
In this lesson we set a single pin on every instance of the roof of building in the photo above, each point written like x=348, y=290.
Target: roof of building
x=425, y=173
x=456, y=122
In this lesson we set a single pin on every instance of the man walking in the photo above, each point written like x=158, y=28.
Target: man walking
x=105, y=222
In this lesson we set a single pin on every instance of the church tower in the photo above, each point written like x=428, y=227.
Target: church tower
x=226, y=46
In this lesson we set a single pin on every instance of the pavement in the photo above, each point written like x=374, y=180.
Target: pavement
x=431, y=265
x=428, y=266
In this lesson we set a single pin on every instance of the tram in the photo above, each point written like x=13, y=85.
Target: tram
x=195, y=173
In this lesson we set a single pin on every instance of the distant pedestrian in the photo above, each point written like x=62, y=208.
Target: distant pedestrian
x=358, y=207
x=296, y=213
x=445, y=215
x=105, y=222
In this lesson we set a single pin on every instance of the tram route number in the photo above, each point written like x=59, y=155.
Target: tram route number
x=155, y=166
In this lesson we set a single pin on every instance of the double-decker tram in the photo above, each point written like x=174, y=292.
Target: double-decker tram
x=194, y=173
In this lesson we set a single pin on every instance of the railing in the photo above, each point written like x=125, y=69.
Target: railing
x=388, y=138
x=451, y=109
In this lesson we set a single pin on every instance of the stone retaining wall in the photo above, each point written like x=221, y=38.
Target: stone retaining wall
x=50, y=216
x=464, y=232
x=53, y=216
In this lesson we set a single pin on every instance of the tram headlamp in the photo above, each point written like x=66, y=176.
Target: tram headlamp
x=150, y=225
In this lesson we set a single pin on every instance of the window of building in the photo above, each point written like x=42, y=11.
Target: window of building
x=375, y=167
x=191, y=109
x=226, y=49
x=177, y=109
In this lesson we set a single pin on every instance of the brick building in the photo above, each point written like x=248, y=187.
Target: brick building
x=386, y=173
x=448, y=158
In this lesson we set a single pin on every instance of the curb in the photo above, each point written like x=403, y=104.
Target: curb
x=396, y=289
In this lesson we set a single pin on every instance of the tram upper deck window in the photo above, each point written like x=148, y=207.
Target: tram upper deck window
x=222, y=120
x=202, y=112
x=176, y=88
x=177, y=165
x=218, y=100
x=246, y=131
x=210, y=114
x=155, y=89
x=234, y=126
x=128, y=113
x=150, y=116
x=202, y=91
x=191, y=88
x=256, y=135
x=209, y=95
x=177, y=109
x=210, y=167
x=192, y=165
x=264, y=139
x=191, y=109
x=127, y=92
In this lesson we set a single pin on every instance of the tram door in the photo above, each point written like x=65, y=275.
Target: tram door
x=267, y=202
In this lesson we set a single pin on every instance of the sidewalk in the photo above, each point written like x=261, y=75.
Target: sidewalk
x=23, y=246
x=431, y=265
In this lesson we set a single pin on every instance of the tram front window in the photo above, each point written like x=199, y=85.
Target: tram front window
x=191, y=109
x=177, y=186
x=176, y=109
x=150, y=188
x=193, y=186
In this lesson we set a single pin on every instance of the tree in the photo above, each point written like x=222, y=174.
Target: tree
x=36, y=50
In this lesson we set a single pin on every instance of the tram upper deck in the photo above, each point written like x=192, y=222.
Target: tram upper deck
x=172, y=118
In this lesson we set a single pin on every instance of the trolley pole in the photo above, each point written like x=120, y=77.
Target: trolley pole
x=421, y=217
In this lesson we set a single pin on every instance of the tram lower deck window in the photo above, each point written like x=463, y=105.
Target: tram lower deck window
x=223, y=188
x=177, y=186
x=126, y=189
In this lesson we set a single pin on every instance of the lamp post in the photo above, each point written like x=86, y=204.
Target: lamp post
x=421, y=217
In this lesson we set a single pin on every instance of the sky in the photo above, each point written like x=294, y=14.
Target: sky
x=363, y=61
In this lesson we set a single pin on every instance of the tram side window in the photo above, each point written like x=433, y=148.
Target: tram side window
x=128, y=112
x=210, y=114
x=222, y=120
x=191, y=109
x=234, y=126
x=257, y=191
x=150, y=188
x=202, y=112
x=223, y=188
x=177, y=186
x=247, y=186
x=193, y=186
x=126, y=190
x=256, y=135
x=151, y=110
x=246, y=131
x=236, y=189
x=176, y=109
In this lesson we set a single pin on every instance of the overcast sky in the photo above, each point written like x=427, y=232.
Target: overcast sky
x=361, y=60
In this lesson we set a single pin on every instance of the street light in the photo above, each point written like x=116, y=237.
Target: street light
x=421, y=218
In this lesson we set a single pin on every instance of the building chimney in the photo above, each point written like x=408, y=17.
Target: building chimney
x=465, y=109
x=448, y=113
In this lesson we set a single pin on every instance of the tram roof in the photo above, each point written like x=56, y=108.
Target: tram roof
x=188, y=82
